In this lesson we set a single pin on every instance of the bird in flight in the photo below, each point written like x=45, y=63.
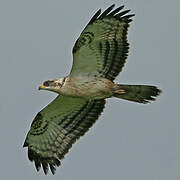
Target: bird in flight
x=99, y=55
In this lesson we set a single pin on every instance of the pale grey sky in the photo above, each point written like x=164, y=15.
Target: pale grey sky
x=129, y=141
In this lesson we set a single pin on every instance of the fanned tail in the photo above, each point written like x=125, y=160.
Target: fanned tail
x=137, y=93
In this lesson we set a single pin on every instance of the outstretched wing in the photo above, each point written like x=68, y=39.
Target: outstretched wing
x=57, y=127
x=101, y=49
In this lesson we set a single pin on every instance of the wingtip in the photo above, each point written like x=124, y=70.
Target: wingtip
x=112, y=6
x=53, y=169
x=37, y=165
x=25, y=144
x=45, y=168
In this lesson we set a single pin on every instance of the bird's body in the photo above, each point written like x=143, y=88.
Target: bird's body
x=96, y=88
x=99, y=55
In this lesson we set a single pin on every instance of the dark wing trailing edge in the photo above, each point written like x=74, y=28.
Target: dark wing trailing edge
x=102, y=48
x=57, y=127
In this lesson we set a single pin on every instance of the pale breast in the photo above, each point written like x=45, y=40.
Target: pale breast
x=97, y=88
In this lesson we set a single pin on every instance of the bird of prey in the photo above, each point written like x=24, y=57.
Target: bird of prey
x=99, y=55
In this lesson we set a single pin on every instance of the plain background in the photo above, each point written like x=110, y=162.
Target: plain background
x=129, y=141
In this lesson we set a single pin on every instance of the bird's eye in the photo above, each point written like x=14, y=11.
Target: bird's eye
x=47, y=83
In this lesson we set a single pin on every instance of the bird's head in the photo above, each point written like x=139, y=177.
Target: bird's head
x=52, y=85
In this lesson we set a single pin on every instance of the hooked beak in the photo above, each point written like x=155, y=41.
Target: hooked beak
x=41, y=87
